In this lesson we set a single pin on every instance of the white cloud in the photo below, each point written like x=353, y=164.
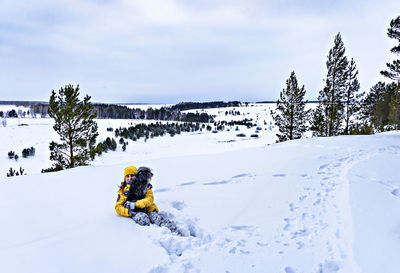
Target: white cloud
x=185, y=49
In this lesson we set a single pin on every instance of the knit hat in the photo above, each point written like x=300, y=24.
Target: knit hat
x=130, y=170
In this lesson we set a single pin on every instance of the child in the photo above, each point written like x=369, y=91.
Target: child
x=136, y=200
x=131, y=208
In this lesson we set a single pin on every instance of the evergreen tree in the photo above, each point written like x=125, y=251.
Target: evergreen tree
x=292, y=117
x=370, y=103
x=351, y=99
x=318, y=125
x=381, y=106
x=75, y=125
x=329, y=114
x=394, y=68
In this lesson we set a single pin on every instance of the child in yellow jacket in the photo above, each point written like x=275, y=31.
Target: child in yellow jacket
x=122, y=207
x=143, y=211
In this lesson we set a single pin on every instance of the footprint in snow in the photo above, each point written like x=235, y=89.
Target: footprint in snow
x=323, y=166
x=300, y=245
x=300, y=233
x=301, y=198
x=262, y=244
x=179, y=205
x=289, y=270
x=292, y=207
x=241, y=175
x=396, y=192
x=187, y=184
x=287, y=226
x=216, y=183
x=248, y=230
x=161, y=190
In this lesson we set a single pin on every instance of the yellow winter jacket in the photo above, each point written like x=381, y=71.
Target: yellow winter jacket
x=146, y=202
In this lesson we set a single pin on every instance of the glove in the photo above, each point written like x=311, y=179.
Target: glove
x=130, y=205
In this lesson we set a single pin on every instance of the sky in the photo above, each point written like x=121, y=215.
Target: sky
x=170, y=51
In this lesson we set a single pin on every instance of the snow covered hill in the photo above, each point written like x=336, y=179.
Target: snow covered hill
x=311, y=205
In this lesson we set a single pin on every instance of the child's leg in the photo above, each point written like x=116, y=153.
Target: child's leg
x=141, y=218
x=159, y=220
x=155, y=218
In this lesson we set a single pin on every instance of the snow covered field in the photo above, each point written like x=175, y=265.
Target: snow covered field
x=245, y=205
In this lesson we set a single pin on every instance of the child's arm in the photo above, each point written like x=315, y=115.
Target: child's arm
x=119, y=206
x=147, y=201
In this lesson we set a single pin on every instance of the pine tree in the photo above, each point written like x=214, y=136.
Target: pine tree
x=381, y=106
x=370, y=102
x=351, y=98
x=291, y=117
x=394, y=68
x=75, y=125
x=329, y=114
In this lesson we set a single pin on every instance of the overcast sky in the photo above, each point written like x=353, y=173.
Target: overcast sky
x=169, y=51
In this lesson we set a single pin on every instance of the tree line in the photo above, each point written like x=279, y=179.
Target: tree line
x=342, y=108
x=203, y=105
x=114, y=111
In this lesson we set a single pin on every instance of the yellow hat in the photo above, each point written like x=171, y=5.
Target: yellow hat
x=130, y=170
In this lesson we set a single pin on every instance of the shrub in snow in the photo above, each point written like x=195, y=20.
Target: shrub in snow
x=111, y=144
x=12, y=114
x=241, y=135
x=13, y=172
x=28, y=152
x=11, y=154
x=52, y=169
x=124, y=146
x=254, y=135
x=16, y=157
x=171, y=132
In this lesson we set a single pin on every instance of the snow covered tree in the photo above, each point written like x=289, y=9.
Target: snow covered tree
x=328, y=117
x=75, y=126
x=351, y=98
x=291, y=117
x=394, y=68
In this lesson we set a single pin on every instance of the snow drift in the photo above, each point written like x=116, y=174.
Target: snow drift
x=311, y=205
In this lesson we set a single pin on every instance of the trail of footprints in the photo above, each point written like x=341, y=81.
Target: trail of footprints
x=308, y=216
x=232, y=240
x=306, y=222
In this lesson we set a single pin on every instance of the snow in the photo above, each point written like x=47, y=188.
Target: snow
x=311, y=205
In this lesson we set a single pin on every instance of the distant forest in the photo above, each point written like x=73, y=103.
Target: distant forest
x=114, y=111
